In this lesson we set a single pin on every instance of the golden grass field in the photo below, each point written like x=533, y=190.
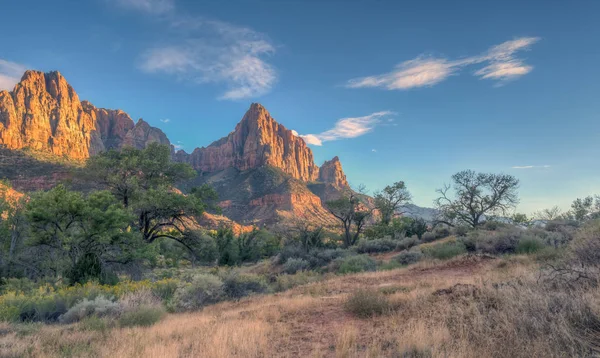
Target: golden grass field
x=442, y=309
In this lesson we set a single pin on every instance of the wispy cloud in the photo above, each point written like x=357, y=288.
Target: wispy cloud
x=347, y=128
x=10, y=74
x=165, y=120
x=149, y=6
x=530, y=166
x=203, y=51
x=500, y=64
x=374, y=150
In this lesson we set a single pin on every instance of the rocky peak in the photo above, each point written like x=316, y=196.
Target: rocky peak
x=257, y=140
x=143, y=134
x=44, y=113
x=331, y=172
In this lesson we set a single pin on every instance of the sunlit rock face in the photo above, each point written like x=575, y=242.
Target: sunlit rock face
x=44, y=113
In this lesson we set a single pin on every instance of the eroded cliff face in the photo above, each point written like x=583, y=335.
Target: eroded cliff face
x=331, y=172
x=257, y=140
x=44, y=113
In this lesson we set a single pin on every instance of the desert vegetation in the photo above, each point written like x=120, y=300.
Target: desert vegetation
x=125, y=270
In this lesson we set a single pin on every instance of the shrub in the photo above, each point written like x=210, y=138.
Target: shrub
x=408, y=257
x=294, y=265
x=441, y=232
x=529, y=245
x=291, y=251
x=446, y=250
x=286, y=282
x=319, y=258
x=357, y=263
x=165, y=289
x=461, y=231
x=203, y=290
x=236, y=286
x=407, y=243
x=499, y=242
x=367, y=303
x=99, y=307
x=145, y=315
x=375, y=246
x=428, y=237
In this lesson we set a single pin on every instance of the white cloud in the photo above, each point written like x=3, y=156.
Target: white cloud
x=374, y=150
x=427, y=71
x=347, y=128
x=10, y=74
x=419, y=72
x=165, y=120
x=295, y=133
x=209, y=51
x=530, y=166
x=149, y=6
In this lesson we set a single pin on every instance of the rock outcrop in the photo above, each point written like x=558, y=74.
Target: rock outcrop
x=331, y=172
x=258, y=140
x=44, y=113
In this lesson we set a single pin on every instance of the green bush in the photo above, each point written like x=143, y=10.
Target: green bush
x=164, y=289
x=530, y=245
x=501, y=241
x=291, y=251
x=236, y=286
x=98, y=307
x=203, y=290
x=367, y=303
x=441, y=232
x=408, y=257
x=446, y=250
x=428, y=237
x=357, y=263
x=461, y=231
x=376, y=246
x=322, y=257
x=145, y=316
x=407, y=243
x=286, y=282
x=294, y=265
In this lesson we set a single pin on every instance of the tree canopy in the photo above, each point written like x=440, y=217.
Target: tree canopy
x=474, y=196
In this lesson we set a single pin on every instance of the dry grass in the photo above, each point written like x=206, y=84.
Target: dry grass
x=465, y=307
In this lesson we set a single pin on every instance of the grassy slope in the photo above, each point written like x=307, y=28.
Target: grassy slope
x=309, y=321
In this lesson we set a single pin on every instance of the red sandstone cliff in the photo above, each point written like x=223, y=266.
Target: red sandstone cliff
x=257, y=140
x=44, y=113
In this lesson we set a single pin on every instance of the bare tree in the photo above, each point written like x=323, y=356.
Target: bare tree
x=390, y=199
x=548, y=214
x=473, y=196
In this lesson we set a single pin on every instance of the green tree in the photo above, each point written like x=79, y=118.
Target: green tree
x=128, y=172
x=417, y=227
x=520, y=219
x=144, y=180
x=74, y=230
x=352, y=214
x=473, y=196
x=390, y=199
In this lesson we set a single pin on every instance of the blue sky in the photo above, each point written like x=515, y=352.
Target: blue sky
x=412, y=91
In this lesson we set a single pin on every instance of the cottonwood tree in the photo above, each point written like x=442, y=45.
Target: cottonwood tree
x=352, y=215
x=128, y=172
x=144, y=180
x=389, y=200
x=80, y=234
x=473, y=196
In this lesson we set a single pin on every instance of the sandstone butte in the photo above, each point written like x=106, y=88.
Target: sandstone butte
x=44, y=113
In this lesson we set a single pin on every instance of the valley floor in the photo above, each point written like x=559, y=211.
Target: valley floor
x=442, y=309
